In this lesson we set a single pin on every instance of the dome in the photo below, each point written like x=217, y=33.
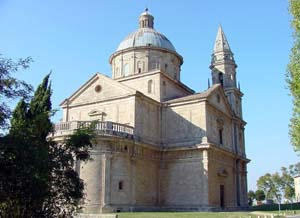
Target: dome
x=146, y=35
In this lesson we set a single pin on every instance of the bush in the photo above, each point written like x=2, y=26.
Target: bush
x=271, y=207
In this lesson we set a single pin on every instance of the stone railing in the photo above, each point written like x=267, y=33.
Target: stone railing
x=100, y=127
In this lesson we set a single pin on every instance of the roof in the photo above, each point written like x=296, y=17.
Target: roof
x=195, y=96
x=221, y=43
x=146, y=37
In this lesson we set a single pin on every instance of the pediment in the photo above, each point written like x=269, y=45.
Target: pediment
x=218, y=99
x=98, y=88
x=96, y=113
x=222, y=172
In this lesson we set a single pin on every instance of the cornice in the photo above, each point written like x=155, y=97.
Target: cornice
x=115, y=54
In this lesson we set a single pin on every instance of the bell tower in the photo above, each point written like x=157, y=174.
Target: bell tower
x=223, y=71
x=222, y=64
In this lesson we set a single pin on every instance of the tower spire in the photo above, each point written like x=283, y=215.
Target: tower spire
x=221, y=43
x=223, y=71
x=222, y=63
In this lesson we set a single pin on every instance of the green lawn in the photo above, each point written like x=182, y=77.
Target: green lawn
x=253, y=214
x=186, y=215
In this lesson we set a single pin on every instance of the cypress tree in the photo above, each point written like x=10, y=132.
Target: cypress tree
x=27, y=156
x=41, y=101
x=40, y=109
x=19, y=120
x=37, y=176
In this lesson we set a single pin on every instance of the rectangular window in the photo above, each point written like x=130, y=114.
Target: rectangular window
x=221, y=136
x=120, y=185
x=235, y=138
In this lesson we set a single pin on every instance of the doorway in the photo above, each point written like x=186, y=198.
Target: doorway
x=222, y=196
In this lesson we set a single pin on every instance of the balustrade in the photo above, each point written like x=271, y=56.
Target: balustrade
x=100, y=127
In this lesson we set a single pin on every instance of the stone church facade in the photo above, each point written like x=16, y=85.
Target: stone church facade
x=160, y=145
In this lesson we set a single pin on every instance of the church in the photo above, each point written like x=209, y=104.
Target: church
x=160, y=146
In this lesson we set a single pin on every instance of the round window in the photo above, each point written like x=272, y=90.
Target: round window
x=98, y=88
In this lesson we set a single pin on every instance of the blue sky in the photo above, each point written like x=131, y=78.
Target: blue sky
x=75, y=38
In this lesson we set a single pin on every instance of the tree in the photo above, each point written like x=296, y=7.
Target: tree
x=287, y=183
x=271, y=185
x=294, y=169
x=11, y=87
x=260, y=195
x=251, y=197
x=280, y=184
x=293, y=75
x=37, y=176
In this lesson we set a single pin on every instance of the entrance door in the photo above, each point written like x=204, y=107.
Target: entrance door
x=222, y=196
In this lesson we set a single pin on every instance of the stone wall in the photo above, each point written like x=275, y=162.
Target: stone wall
x=186, y=179
x=120, y=176
x=183, y=123
x=170, y=89
x=221, y=171
x=183, y=180
x=216, y=121
x=121, y=111
x=148, y=84
x=156, y=85
x=138, y=61
x=139, y=178
x=148, y=121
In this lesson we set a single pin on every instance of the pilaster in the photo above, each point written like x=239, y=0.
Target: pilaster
x=205, y=187
x=106, y=168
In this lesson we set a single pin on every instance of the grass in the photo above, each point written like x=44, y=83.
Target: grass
x=252, y=214
x=187, y=215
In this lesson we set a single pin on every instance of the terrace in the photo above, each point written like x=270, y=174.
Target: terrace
x=107, y=128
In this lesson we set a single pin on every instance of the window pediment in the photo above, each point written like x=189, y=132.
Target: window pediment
x=220, y=123
x=96, y=113
x=222, y=172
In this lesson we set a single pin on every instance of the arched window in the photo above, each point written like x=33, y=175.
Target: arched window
x=150, y=86
x=126, y=69
x=221, y=78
